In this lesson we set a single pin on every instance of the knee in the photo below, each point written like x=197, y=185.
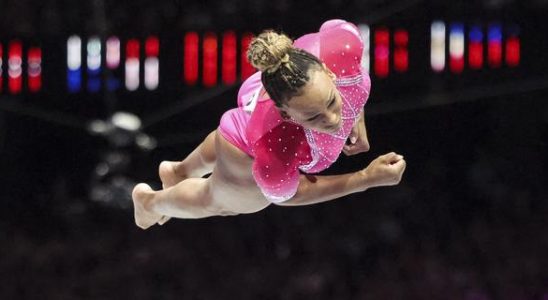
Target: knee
x=207, y=157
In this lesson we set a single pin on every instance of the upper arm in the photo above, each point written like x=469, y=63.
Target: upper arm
x=278, y=156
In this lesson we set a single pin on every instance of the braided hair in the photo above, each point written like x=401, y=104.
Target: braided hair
x=284, y=68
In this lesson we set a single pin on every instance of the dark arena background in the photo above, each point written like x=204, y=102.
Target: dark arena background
x=95, y=94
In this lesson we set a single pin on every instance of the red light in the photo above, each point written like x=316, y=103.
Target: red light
x=401, y=38
x=247, y=68
x=210, y=48
x=34, y=69
x=229, y=58
x=512, y=51
x=15, y=72
x=152, y=46
x=494, y=53
x=382, y=52
x=401, y=60
x=475, y=55
x=382, y=36
x=456, y=64
x=401, y=54
x=132, y=49
x=190, y=58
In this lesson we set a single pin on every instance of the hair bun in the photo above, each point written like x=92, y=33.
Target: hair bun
x=269, y=50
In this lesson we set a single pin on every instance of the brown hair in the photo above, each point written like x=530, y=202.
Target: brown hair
x=284, y=68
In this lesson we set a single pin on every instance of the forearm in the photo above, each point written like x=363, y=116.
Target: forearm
x=316, y=189
x=361, y=120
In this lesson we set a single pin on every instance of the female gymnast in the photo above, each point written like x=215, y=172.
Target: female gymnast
x=297, y=114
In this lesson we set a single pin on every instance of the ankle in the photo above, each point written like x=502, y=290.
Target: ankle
x=179, y=169
x=147, y=200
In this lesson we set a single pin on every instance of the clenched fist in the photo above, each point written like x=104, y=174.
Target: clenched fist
x=385, y=170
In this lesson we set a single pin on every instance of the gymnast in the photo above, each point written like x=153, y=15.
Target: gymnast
x=294, y=118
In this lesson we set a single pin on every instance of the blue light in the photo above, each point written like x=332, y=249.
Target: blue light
x=495, y=33
x=94, y=72
x=456, y=28
x=94, y=84
x=475, y=34
x=113, y=84
x=74, y=80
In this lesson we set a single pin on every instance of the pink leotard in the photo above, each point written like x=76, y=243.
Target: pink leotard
x=281, y=148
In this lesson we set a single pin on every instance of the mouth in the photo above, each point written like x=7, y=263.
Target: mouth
x=334, y=128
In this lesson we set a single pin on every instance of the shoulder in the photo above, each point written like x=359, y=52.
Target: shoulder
x=284, y=143
x=341, y=47
x=248, y=88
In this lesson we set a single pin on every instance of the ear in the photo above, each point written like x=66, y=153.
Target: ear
x=329, y=72
x=283, y=113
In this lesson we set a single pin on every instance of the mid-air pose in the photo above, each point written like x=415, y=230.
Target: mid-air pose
x=294, y=118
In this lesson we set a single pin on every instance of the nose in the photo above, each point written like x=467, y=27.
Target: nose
x=332, y=119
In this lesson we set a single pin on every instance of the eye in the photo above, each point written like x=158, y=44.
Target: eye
x=331, y=103
x=313, y=118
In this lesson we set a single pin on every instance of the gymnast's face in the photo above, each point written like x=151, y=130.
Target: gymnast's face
x=319, y=104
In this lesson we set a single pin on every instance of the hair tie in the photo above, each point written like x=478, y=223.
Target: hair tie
x=283, y=60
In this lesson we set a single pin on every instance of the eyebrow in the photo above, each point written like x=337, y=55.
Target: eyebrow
x=328, y=102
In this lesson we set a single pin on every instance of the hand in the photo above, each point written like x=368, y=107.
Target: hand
x=385, y=170
x=357, y=141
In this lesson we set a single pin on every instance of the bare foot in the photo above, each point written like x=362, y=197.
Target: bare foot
x=169, y=178
x=167, y=173
x=142, y=195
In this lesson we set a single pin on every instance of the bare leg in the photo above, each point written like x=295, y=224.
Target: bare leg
x=230, y=190
x=189, y=199
x=197, y=164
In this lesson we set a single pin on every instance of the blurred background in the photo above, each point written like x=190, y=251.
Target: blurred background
x=94, y=94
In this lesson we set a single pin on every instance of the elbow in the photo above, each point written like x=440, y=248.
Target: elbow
x=302, y=193
x=366, y=147
x=294, y=200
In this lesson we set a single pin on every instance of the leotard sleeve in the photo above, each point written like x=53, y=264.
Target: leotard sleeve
x=278, y=156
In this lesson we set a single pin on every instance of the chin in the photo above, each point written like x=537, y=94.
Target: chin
x=329, y=130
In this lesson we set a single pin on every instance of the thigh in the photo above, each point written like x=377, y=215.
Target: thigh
x=232, y=184
x=207, y=149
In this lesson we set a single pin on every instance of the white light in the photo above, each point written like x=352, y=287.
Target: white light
x=98, y=127
x=456, y=43
x=35, y=65
x=437, y=46
x=34, y=69
x=152, y=73
x=113, y=52
x=15, y=68
x=126, y=121
x=94, y=53
x=145, y=142
x=365, y=34
x=132, y=74
x=74, y=52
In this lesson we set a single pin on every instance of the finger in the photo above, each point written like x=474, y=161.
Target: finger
x=400, y=165
x=352, y=149
x=395, y=159
x=353, y=138
x=163, y=220
x=347, y=151
x=404, y=165
x=387, y=158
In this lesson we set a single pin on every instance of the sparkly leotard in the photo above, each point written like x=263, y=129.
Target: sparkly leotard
x=281, y=148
